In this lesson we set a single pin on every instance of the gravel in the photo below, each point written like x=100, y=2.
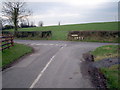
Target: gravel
x=106, y=62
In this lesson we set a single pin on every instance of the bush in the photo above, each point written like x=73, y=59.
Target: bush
x=95, y=35
x=7, y=27
x=23, y=34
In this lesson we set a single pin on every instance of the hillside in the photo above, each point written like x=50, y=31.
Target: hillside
x=76, y=27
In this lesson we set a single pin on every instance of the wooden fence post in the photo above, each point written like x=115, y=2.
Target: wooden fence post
x=6, y=41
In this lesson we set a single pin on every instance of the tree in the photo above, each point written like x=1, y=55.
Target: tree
x=2, y=22
x=40, y=24
x=32, y=24
x=58, y=23
x=1, y=25
x=15, y=12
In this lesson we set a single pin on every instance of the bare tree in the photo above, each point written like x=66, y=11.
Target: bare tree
x=32, y=24
x=59, y=23
x=1, y=25
x=15, y=11
x=40, y=24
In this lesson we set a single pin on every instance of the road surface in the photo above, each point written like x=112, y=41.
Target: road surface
x=54, y=64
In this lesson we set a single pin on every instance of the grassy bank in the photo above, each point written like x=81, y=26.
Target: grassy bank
x=13, y=53
x=106, y=52
x=111, y=73
x=61, y=32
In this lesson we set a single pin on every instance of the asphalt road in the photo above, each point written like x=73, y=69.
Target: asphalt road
x=54, y=64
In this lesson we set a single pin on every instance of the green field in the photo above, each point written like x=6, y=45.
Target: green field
x=60, y=32
x=14, y=53
x=76, y=27
x=111, y=73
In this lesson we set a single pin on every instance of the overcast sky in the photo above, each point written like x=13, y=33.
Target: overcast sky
x=72, y=11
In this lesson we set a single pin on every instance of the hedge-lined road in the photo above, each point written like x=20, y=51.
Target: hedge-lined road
x=53, y=64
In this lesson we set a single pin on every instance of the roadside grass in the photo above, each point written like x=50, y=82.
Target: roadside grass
x=63, y=37
x=14, y=53
x=61, y=32
x=106, y=51
x=104, y=40
x=111, y=73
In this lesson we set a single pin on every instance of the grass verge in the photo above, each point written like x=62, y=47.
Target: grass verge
x=106, y=51
x=111, y=73
x=14, y=53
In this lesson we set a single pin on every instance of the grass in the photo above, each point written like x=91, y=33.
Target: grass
x=106, y=51
x=111, y=73
x=14, y=53
x=110, y=26
x=60, y=32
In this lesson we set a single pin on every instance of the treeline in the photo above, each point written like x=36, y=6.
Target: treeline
x=6, y=27
x=24, y=25
x=27, y=25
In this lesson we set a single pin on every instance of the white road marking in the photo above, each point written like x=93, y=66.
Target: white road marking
x=41, y=73
x=33, y=44
x=61, y=47
x=80, y=61
x=31, y=55
x=49, y=44
x=44, y=44
x=41, y=44
x=37, y=44
x=65, y=45
x=39, y=76
x=57, y=44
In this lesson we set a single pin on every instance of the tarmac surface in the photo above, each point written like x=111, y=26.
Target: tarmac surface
x=53, y=64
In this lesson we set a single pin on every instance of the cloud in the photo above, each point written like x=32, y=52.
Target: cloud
x=53, y=12
x=71, y=0
x=72, y=11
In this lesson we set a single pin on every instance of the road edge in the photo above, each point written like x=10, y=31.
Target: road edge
x=18, y=60
x=97, y=77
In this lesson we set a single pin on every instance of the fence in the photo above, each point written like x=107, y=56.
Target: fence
x=6, y=41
